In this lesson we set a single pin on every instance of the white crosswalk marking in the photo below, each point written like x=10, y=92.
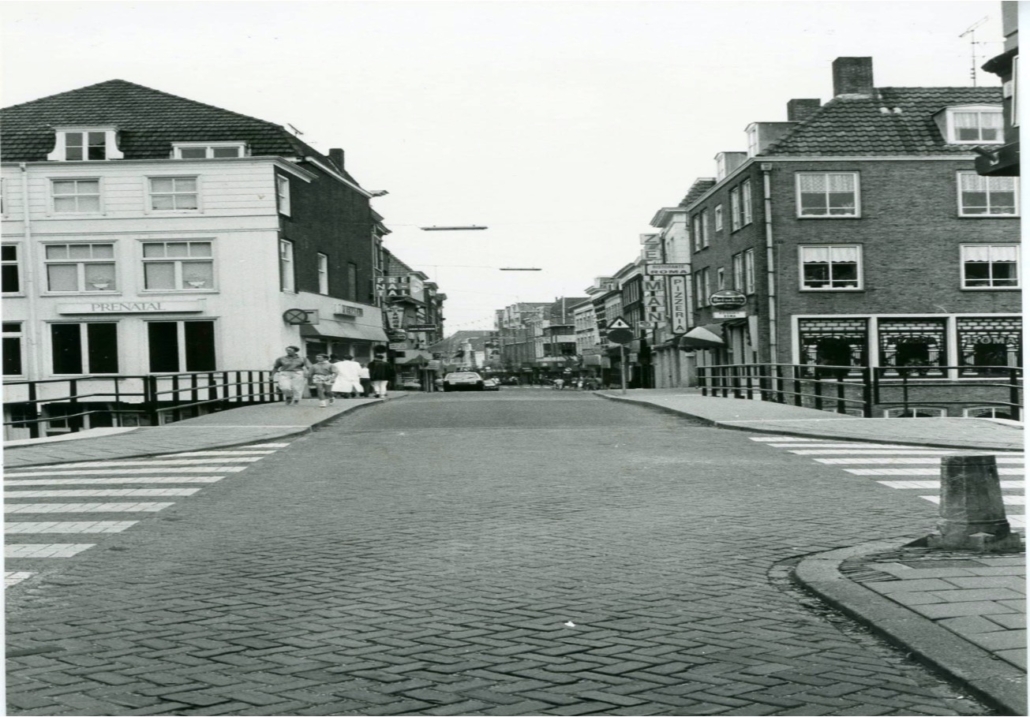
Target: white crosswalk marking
x=923, y=484
x=99, y=493
x=115, y=481
x=49, y=550
x=198, y=468
x=97, y=526
x=124, y=471
x=879, y=459
x=919, y=471
x=34, y=508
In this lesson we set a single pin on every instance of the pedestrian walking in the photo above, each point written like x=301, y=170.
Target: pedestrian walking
x=348, y=377
x=381, y=372
x=291, y=375
x=366, y=381
x=323, y=375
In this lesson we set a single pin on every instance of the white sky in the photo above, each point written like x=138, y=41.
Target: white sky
x=563, y=126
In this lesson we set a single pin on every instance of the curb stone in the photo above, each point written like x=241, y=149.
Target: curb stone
x=991, y=679
x=229, y=443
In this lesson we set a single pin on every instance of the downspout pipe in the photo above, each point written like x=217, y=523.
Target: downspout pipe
x=770, y=262
x=28, y=262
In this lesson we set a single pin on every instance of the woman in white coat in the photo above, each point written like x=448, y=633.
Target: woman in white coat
x=348, y=377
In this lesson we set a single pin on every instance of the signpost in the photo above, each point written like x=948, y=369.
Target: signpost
x=619, y=332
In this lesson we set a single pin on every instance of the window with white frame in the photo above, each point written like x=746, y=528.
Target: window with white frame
x=80, y=268
x=12, y=348
x=827, y=194
x=720, y=279
x=749, y=271
x=831, y=267
x=173, y=194
x=178, y=266
x=323, y=274
x=990, y=266
x=282, y=187
x=702, y=287
x=915, y=412
x=1014, y=109
x=752, y=140
x=738, y=272
x=975, y=125
x=77, y=144
x=75, y=196
x=987, y=196
x=718, y=217
x=11, y=268
x=286, y=277
x=706, y=227
x=84, y=348
x=208, y=150
x=745, y=200
x=697, y=232
x=176, y=346
x=735, y=218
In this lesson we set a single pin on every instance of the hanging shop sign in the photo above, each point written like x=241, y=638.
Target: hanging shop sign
x=297, y=317
x=727, y=299
x=678, y=304
x=666, y=269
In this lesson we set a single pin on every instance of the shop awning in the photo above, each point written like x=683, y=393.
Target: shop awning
x=340, y=330
x=703, y=337
x=411, y=358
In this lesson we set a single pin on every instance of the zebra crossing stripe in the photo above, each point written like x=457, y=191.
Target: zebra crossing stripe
x=267, y=445
x=923, y=484
x=213, y=462
x=203, y=454
x=919, y=471
x=774, y=439
x=127, y=471
x=111, y=481
x=97, y=526
x=98, y=493
x=870, y=452
x=36, y=508
x=48, y=550
x=1006, y=499
x=905, y=461
x=14, y=577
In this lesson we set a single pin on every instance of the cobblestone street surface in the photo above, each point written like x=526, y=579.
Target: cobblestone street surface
x=506, y=554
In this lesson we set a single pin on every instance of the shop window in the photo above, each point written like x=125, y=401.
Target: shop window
x=177, y=346
x=86, y=348
x=12, y=348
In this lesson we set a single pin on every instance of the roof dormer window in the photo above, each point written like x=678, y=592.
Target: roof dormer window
x=78, y=144
x=975, y=125
x=208, y=150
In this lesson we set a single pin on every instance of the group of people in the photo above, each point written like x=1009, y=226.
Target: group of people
x=346, y=378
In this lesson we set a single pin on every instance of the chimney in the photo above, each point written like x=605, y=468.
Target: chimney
x=853, y=76
x=336, y=157
x=801, y=110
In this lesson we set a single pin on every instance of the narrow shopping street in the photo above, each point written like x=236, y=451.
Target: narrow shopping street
x=526, y=552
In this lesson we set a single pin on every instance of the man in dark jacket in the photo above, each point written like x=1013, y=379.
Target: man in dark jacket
x=380, y=373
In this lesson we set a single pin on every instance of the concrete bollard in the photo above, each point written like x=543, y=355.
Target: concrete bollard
x=972, y=512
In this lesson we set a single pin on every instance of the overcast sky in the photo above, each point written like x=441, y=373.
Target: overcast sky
x=562, y=126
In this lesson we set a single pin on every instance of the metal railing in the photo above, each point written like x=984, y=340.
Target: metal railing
x=862, y=389
x=161, y=398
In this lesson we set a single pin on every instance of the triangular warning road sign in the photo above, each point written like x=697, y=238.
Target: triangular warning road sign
x=618, y=323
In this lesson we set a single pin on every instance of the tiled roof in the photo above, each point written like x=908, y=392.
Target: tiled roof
x=699, y=187
x=857, y=127
x=148, y=122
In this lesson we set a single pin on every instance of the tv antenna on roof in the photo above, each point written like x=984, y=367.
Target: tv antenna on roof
x=298, y=132
x=971, y=31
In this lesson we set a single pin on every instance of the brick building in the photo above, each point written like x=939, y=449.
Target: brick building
x=860, y=233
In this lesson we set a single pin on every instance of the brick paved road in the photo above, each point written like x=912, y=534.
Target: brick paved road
x=520, y=553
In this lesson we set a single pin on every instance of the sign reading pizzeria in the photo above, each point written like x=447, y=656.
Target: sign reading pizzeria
x=727, y=299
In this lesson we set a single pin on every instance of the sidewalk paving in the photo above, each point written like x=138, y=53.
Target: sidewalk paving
x=963, y=613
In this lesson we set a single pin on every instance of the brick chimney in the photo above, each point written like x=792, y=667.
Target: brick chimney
x=800, y=110
x=336, y=157
x=853, y=76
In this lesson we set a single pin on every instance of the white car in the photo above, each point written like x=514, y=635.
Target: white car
x=463, y=381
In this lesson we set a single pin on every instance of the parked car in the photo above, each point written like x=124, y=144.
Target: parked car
x=463, y=381
x=491, y=384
